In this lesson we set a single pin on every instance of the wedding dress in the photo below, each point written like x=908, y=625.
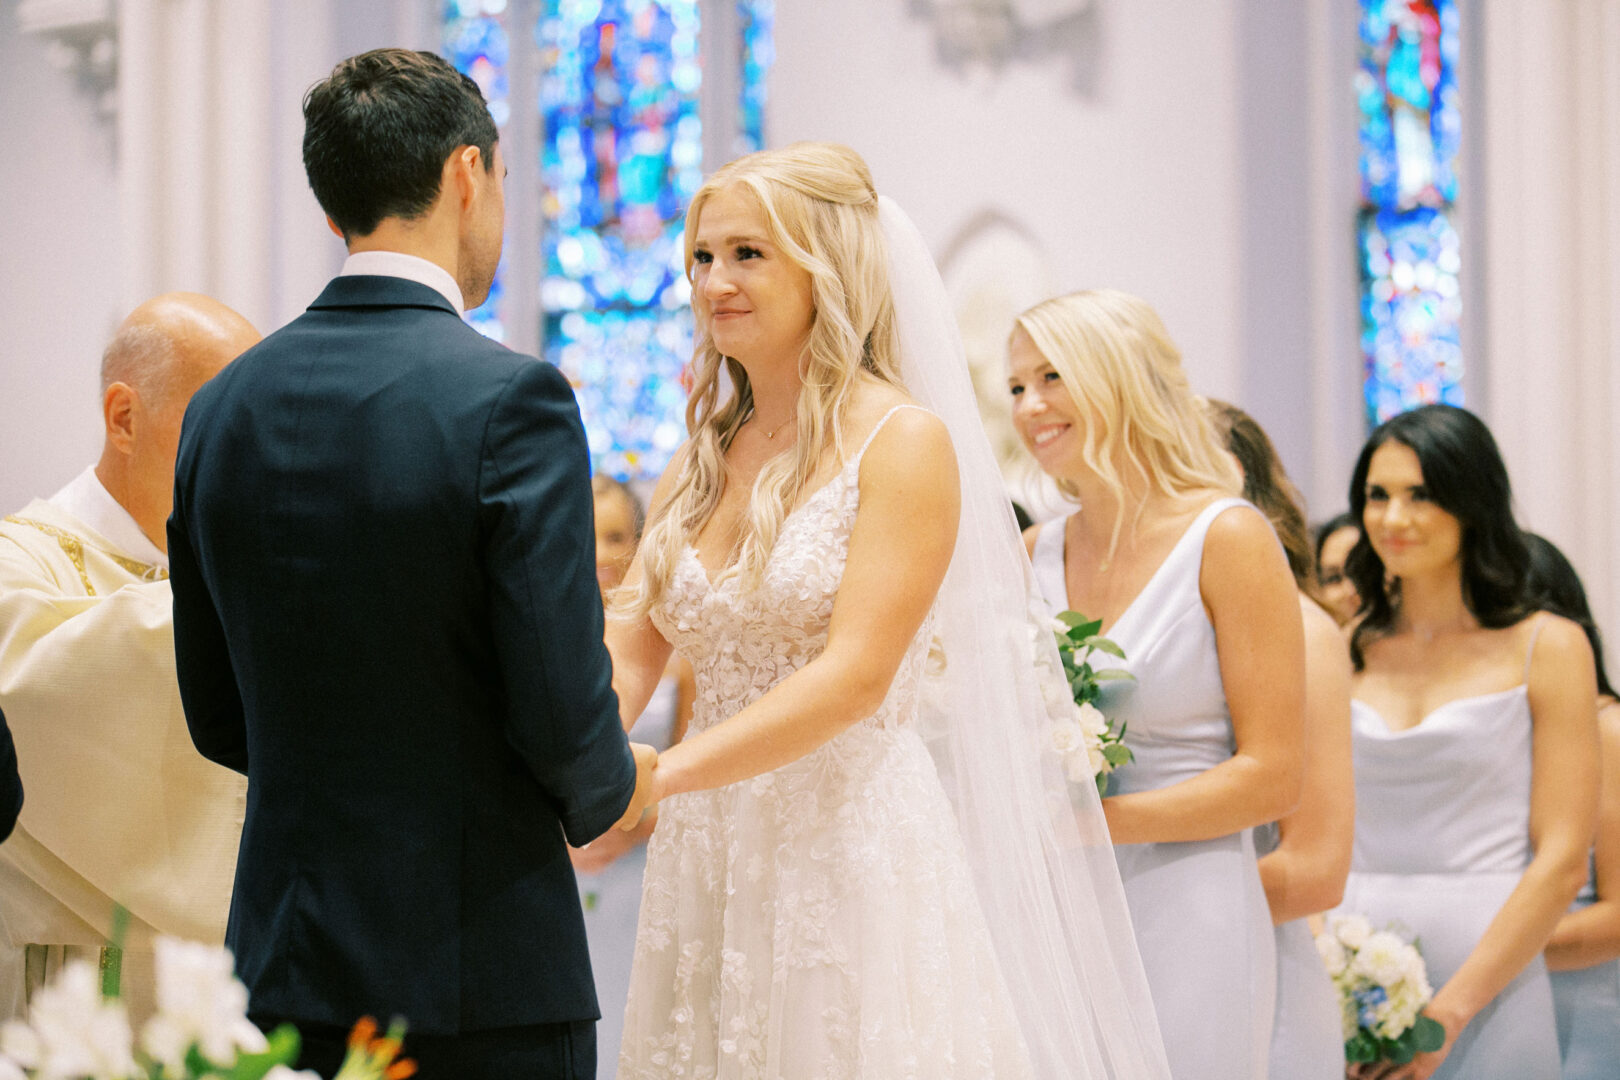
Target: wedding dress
x=921, y=897
x=818, y=920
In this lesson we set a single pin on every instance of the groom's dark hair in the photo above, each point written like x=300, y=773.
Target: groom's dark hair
x=377, y=132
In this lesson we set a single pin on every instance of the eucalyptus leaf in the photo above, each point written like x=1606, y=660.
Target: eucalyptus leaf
x=1361, y=1049
x=1102, y=644
x=1071, y=618
x=1113, y=675
x=1116, y=754
x=1428, y=1034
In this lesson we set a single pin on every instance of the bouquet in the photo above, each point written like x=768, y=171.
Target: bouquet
x=1383, y=986
x=77, y=1028
x=1086, y=739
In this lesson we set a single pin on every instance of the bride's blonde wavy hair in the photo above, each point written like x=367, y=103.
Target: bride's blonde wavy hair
x=1119, y=365
x=820, y=211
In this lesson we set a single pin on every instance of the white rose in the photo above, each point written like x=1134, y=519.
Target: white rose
x=1067, y=736
x=1055, y=691
x=1382, y=958
x=1333, y=955
x=1351, y=930
x=1092, y=719
x=1077, y=767
x=281, y=1072
x=1094, y=757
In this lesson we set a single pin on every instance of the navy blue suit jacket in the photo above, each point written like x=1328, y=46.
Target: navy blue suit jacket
x=386, y=614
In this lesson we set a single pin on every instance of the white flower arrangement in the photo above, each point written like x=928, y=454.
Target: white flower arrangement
x=1383, y=986
x=1083, y=737
x=76, y=1031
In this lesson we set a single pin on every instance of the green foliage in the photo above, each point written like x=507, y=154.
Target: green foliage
x=283, y=1050
x=1424, y=1037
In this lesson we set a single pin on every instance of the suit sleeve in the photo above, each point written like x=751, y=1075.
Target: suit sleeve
x=11, y=789
x=540, y=560
x=208, y=689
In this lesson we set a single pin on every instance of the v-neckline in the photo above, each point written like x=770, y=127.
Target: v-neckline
x=711, y=580
x=1153, y=578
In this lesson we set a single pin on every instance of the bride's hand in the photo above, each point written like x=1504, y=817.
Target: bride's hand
x=647, y=792
x=603, y=852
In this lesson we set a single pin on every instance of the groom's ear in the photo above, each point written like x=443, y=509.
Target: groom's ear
x=337, y=232
x=462, y=169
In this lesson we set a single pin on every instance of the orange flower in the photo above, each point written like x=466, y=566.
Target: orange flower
x=365, y=1029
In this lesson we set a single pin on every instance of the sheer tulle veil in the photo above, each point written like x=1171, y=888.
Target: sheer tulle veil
x=1039, y=848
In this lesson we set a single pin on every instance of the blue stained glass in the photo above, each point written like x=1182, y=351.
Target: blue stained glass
x=1406, y=90
x=1411, y=310
x=756, y=18
x=621, y=158
x=476, y=42
x=1410, y=253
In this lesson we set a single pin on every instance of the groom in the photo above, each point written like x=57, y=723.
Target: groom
x=386, y=615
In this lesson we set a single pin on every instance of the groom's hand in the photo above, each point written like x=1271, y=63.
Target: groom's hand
x=643, y=797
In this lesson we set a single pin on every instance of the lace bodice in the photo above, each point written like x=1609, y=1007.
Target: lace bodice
x=742, y=642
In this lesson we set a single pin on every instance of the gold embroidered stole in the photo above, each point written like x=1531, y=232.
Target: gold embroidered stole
x=73, y=546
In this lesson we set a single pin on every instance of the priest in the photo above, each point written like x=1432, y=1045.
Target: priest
x=121, y=809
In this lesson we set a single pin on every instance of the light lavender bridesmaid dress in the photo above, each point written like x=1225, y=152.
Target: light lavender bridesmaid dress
x=1200, y=914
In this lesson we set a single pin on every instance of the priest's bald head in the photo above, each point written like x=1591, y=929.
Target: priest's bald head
x=162, y=353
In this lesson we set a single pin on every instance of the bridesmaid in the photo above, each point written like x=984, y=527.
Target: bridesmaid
x=609, y=868
x=1334, y=539
x=1475, y=734
x=1191, y=582
x=1583, y=950
x=1306, y=855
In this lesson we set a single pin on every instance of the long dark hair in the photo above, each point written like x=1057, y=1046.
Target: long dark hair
x=1553, y=585
x=1465, y=477
x=1266, y=485
x=1320, y=533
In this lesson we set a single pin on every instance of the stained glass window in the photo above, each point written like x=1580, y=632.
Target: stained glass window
x=1411, y=306
x=621, y=155
x=475, y=41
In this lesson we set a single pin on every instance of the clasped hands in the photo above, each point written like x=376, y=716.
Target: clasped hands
x=646, y=793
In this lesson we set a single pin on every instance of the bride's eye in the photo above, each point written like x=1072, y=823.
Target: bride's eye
x=746, y=252
x=702, y=257
x=1016, y=389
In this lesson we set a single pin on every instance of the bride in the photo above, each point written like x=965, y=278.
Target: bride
x=865, y=865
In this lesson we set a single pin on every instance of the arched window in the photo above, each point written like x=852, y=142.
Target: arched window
x=621, y=110
x=1411, y=306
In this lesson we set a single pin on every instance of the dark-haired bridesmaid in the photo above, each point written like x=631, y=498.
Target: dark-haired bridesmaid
x=1476, y=749
x=1584, y=953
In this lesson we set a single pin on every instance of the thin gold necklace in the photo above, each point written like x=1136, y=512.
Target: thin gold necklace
x=772, y=433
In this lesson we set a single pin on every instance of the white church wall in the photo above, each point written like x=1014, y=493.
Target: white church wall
x=58, y=267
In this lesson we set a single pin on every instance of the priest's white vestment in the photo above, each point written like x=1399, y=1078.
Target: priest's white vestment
x=119, y=806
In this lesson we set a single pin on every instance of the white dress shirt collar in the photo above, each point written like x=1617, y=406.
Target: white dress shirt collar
x=410, y=267
x=88, y=500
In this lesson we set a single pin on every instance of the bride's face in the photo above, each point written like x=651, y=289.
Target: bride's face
x=1044, y=412
x=754, y=301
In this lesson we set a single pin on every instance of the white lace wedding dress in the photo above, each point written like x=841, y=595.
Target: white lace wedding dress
x=818, y=921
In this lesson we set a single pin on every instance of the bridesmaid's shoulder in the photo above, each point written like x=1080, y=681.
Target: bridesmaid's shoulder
x=1554, y=637
x=1239, y=535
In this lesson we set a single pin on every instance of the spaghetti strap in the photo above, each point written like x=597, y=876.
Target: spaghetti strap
x=1530, y=653
x=873, y=433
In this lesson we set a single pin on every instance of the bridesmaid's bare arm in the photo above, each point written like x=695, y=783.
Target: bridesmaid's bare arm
x=1592, y=935
x=1306, y=872
x=1254, y=606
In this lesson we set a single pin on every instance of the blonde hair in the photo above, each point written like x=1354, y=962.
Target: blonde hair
x=1119, y=365
x=820, y=211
